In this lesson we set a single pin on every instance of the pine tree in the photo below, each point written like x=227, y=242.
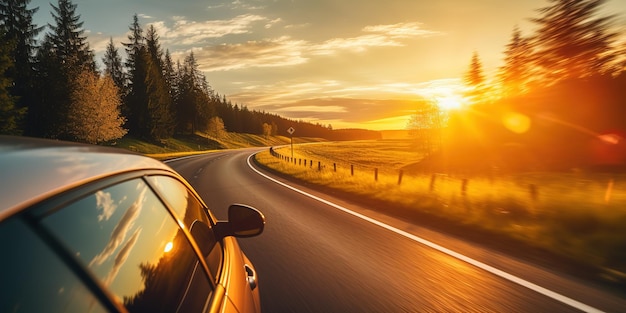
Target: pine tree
x=113, y=67
x=194, y=106
x=68, y=39
x=171, y=84
x=160, y=119
x=154, y=47
x=17, y=21
x=475, y=81
x=94, y=114
x=571, y=41
x=63, y=55
x=50, y=93
x=10, y=116
x=474, y=75
x=171, y=75
x=135, y=102
x=515, y=74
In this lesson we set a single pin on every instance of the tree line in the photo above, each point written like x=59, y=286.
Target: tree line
x=54, y=88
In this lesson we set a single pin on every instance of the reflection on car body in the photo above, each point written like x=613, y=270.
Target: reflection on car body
x=134, y=238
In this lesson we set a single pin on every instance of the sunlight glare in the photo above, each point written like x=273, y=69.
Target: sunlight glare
x=449, y=103
x=168, y=247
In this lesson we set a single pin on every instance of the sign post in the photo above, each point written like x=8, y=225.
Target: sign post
x=291, y=130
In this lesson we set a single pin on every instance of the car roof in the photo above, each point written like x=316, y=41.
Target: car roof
x=33, y=169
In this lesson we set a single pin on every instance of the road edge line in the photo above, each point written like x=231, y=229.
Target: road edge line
x=500, y=273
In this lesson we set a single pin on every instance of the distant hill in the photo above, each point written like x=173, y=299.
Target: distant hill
x=395, y=134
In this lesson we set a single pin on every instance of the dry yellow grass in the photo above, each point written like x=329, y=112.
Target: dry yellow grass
x=580, y=215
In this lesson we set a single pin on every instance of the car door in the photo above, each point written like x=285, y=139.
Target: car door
x=236, y=289
x=121, y=238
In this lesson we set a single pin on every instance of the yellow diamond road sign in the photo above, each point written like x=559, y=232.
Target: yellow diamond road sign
x=291, y=130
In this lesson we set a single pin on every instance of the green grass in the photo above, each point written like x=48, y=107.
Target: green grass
x=579, y=215
x=200, y=143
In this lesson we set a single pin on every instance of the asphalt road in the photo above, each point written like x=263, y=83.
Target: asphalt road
x=322, y=254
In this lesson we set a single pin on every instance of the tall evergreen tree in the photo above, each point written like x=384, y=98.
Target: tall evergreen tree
x=47, y=109
x=474, y=75
x=515, y=74
x=63, y=55
x=17, y=21
x=113, y=67
x=154, y=46
x=68, y=38
x=135, y=102
x=171, y=84
x=572, y=42
x=170, y=74
x=194, y=106
x=159, y=97
x=475, y=80
x=10, y=116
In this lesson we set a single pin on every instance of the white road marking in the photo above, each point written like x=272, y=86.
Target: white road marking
x=546, y=292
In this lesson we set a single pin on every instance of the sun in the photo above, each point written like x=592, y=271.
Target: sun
x=451, y=102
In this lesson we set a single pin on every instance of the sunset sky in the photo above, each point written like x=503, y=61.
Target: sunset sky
x=348, y=63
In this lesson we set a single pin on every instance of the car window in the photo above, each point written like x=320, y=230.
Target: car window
x=191, y=212
x=25, y=260
x=126, y=237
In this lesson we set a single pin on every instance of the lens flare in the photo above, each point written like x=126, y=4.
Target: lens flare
x=516, y=122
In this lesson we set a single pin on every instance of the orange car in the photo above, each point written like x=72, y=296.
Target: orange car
x=92, y=229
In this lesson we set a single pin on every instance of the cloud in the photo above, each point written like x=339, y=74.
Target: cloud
x=121, y=258
x=402, y=30
x=357, y=44
x=296, y=26
x=273, y=22
x=284, y=50
x=242, y=5
x=105, y=203
x=121, y=229
x=314, y=109
x=380, y=36
x=192, y=33
x=346, y=110
x=144, y=16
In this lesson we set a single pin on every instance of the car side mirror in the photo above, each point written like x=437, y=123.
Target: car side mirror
x=243, y=221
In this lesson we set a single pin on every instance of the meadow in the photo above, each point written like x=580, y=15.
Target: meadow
x=578, y=214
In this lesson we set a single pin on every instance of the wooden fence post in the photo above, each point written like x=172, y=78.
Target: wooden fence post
x=319, y=165
x=609, y=191
x=351, y=170
x=335, y=167
x=464, y=187
x=433, y=177
x=532, y=189
x=376, y=174
x=400, y=177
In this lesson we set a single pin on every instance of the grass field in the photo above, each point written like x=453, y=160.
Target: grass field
x=200, y=143
x=581, y=215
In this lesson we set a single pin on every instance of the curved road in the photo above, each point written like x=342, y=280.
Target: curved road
x=322, y=254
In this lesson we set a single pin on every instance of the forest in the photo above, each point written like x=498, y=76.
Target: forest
x=51, y=87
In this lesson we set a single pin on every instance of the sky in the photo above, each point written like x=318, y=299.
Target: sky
x=347, y=63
